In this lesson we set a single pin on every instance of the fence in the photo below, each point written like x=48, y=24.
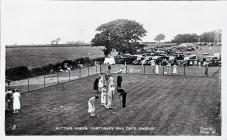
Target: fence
x=164, y=70
x=43, y=81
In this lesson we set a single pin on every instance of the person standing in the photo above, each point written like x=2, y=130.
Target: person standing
x=119, y=81
x=110, y=97
x=16, y=101
x=206, y=68
x=174, y=69
x=111, y=80
x=109, y=68
x=101, y=82
x=8, y=99
x=123, y=94
x=91, y=105
x=103, y=96
x=156, y=69
x=96, y=82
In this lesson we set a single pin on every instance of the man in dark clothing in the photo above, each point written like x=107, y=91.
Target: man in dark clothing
x=123, y=94
x=96, y=84
x=119, y=80
x=206, y=69
x=109, y=68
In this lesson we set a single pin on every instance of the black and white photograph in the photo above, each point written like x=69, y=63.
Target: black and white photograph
x=112, y=68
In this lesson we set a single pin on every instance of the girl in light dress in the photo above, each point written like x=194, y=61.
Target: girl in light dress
x=91, y=105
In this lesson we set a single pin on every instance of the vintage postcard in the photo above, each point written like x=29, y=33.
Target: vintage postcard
x=113, y=68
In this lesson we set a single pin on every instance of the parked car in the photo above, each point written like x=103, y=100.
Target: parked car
x=136, y=62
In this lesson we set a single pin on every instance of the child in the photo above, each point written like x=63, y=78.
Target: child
x=91, y=106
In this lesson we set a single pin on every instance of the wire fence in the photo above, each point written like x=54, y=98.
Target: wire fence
x=43, y=81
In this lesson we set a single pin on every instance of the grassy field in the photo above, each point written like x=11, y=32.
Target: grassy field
x=156, y=105
x=40, y=56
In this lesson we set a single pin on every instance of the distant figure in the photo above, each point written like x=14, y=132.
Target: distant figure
x=130, y=69
x=104, y=96
x=91, y=106
x=96, y=83
x=156, y=69
x=174, y=69
x=199, y=64
x=121, y=70
x=109, y=67
x=168, y=68
x=119, y=81
x=110, y=98
x=16, y=101
x=206, y=69
x=123, y=94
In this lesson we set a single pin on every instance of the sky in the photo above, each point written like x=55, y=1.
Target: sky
x=40, y=22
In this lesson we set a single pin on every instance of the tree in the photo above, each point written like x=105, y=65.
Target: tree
x=159, y=37
x=185, y=38
x=122, y=35
x=213, y=36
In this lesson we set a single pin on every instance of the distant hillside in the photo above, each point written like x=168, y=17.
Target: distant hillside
x=50, y=45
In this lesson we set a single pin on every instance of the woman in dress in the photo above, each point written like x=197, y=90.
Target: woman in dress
x=174, y=69
x=156, y=69
x=103, y=96
x=16, y=101
x=110, y=97
x=101, y=82
x=111, y=81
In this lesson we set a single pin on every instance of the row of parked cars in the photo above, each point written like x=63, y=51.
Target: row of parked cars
x=179, y=58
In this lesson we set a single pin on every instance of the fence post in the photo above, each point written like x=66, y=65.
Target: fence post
x=88, y=70
x=57, y=78
x=144, y=69
x=28, y=84
x=44, y=82
x=69, y=75
x=184, y=70
x=95, y=68
x=163, y=70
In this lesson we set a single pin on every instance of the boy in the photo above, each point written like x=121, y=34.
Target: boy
x=123, y=94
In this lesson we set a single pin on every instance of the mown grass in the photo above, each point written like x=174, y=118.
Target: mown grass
x=171, y=105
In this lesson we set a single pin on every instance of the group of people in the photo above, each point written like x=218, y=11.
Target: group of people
x=167, y=69
x=12, y=100
x=105, y=86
